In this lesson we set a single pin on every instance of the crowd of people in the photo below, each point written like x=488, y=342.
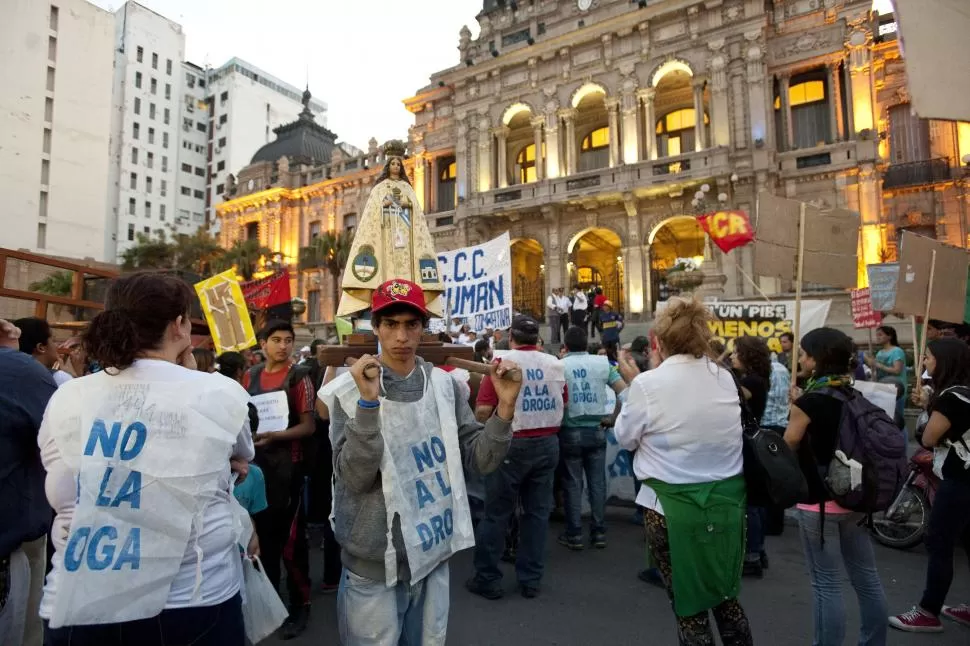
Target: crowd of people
x=139, y=474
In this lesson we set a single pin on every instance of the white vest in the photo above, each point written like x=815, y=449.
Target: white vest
x=539, y=404
x=149, y=456
x=586, y=376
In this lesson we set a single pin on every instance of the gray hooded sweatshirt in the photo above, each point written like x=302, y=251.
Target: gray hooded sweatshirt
x=360, y=517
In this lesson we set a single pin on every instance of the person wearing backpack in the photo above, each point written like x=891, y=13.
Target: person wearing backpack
x=834, y=538
x=947, y=433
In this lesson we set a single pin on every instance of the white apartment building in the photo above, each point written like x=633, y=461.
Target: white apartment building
x=193, y=153
x=146, y=126
x=55, y=113
x=247, y=104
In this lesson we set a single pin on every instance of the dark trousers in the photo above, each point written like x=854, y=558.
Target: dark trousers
x=219, y=625
x=321, y=500
x=579, y=318
x=583, y=451
x=564, y=323
x=757, y=523
x=949, y=526
x=283, y=539
x=527, y=474
x=732, y=623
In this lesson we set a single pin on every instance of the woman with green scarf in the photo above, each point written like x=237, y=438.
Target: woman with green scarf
x=683, y=421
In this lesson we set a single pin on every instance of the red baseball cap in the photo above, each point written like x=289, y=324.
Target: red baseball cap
x=398, y=290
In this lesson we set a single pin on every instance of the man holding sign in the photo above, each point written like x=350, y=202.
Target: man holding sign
x=401, y=432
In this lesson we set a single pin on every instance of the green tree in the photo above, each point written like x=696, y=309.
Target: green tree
x=198, y=253
x=328, y=251
x=245, y=256
x=60, y=283
x=151, y=251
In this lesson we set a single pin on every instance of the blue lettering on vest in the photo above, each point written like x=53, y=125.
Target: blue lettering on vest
x=438, y=449
x=424, y=494
x=95, y=563
x=422, y=456
x=129, y=451
x=445, y=489
x=131, y=552
x=534, y=374
x=75, y=548
x=102, y=500
x=130, y=491
x=438, y=529
x=130, y=447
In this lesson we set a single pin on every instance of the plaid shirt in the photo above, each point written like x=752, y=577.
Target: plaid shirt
x=776, y=410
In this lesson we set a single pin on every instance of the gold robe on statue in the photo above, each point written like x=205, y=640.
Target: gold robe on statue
x=392, y=241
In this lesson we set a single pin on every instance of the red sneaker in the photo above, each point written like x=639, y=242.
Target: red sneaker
x=959, y=614
x=916, y=620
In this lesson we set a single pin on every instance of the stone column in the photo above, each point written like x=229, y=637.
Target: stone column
x=649, y=123
x=849, y=112
x=420, y=183
x=553, y=157
x=501, y=164
x=647, y=284
x=461, y=164
x=720, y=124
x=571, y=146
x=484, y=156
x=630, y=129
x=835, y=101
x=633, y=261
x=787, y=132
x=613, y=119
x=537, y=124
x=757, y=92
x=860, y=71
x=870, y=209
x=699, y=138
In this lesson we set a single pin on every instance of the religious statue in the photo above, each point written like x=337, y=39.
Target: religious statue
x=391, y=241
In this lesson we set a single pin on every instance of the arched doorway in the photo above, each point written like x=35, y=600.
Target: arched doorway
x=678, y=237
x=528, y=277
x=596, y=260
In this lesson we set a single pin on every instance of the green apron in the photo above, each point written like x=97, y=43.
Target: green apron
x=706, y=531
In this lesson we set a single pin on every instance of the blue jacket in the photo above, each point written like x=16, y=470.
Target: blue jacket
x=25, y=388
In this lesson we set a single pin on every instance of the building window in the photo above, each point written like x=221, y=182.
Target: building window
x=224, y=118
x=53, y=20
x=148, y=230
x=133, y=181
x=221, y=166
x=200, y=172
x=187, y=168
x=131, y=206
x=41, y=235
x=161, y=212
x=220, y=189
x=252, y=231
x=167, y=116
x=809, y=111
x=50, y=79
x=314, y=230
x=135, y=130
x=164, y=164
x=675, y=132
x=447, y=172
x=49, y=109
x=187, y=124
x=185, y=190
x=189, y=80
x=909, y=136
x=154, y=61
x=138, y=79
x=525, y=166
x=150, y=160
x=199, y=195
x=151, y=135
x=313, y=305
x=168, y=66
x=47, y=140
x=148, y=209
x=350, y=222
x=222, y=142
x=197, y=217
x=224, y=97
x=153, y=87
x=42, y=205
x=594, y=151
x=45, y=172
x=164, y=140
x=151, y=111
x=137, y=105
x=134, y=155
x=51, y=48
x=168, y=90
x=131, y=232
x=200, y=126
x=140, y=54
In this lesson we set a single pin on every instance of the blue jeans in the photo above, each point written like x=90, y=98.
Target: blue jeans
x=371, y=614
x=583, y=450
x=757, y=520
x=527, y=473
x=847, y=546
x=217, y=625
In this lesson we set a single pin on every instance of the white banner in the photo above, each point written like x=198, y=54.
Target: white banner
x=478, y=282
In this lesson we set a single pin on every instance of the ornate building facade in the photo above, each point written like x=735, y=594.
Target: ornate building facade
x=586, y=127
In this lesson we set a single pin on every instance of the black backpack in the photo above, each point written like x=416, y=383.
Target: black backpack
x=771, y=470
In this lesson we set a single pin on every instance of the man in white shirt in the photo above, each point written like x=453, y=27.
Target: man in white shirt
x=563, y=305
x=552, y=315
x=580, y=305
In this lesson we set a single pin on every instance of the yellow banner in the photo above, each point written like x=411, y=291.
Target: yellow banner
x=226, y=313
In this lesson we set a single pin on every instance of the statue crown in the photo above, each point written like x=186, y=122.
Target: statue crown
x=394, y=148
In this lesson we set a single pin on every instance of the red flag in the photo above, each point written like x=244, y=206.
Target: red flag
x=267, y=292
x=728, y=229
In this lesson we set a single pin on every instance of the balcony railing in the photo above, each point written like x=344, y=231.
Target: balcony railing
x=920, y=173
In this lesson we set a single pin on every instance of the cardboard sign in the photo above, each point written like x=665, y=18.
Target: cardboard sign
x=226, y=312
x=882, y=285
x=274, y=412
x=863, y=316
x=728, y=229
x=949, y=278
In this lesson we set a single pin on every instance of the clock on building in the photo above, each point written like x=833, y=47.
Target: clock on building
x=584, y=5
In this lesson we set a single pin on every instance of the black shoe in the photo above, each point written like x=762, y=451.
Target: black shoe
x=764, y=560
x=529, y=591
x=574, y=543
x=651, y=576
x=598, y=540
x=485, y=590
x=296, y=623
x=753, y=569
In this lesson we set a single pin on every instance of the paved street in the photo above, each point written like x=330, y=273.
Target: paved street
x=593, y=598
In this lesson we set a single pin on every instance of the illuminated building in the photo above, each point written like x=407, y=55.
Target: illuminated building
x=585, y=127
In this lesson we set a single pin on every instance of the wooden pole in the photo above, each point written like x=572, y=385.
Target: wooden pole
x=798, y=289
x=926, y=323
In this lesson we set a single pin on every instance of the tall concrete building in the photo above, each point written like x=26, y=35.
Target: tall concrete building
x=55, y=117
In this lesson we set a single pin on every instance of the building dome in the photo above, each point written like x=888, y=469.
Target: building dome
x=303, y=141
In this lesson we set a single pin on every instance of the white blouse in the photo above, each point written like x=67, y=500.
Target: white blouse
x=683, y=419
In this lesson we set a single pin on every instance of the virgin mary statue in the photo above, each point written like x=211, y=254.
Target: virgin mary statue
x=391, y=241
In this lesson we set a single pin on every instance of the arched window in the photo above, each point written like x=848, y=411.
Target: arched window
x=675, y=132
x=594, y=151
x=447, y=174
x=525, y=164
x=809, y=112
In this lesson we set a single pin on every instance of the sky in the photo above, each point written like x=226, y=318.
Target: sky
x=363, y=57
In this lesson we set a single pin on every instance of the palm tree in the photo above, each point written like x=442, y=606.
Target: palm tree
x=328, y=251
x=245, y=256
x=151, y=252
x=197, y=253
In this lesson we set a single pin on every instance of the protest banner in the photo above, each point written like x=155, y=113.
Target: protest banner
x=766, y=320
x=226, y=313
x=727, y=229
x=267, y=292
x=882, y=285
x=863, y=314
x=478, y=283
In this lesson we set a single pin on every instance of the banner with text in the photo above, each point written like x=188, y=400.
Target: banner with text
x=767, y=320
x=478, y=283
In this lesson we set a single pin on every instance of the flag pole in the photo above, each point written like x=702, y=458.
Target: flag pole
x=926, y=322
x=798, y=286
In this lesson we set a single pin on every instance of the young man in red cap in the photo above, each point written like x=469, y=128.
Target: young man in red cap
x=401, y=432
x=529, y=471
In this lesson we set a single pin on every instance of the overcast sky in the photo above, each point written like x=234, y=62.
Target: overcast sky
x=363, y=56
